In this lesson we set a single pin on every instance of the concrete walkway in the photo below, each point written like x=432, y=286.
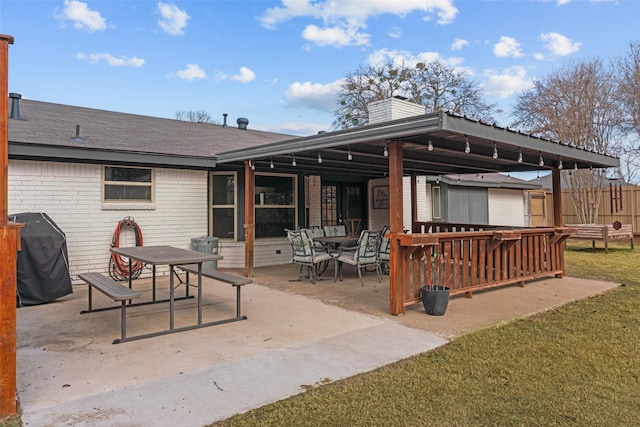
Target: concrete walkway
x=69, y=373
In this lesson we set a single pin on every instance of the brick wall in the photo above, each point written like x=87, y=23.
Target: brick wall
x=70, y=193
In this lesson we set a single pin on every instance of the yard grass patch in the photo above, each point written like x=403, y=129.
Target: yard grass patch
x=574, y=365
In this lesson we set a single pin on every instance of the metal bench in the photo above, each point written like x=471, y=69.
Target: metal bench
x=113, y=290
x=237, y=281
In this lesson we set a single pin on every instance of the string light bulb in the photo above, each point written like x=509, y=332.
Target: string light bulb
x=271, y=165
x=349, y=156
x=386, y=151
x=319, y=158
x=495, y=151
x=430, y=145
x=575, y=165
x=541, y=162
x=560, y=166
x=519, y=156
x=293, y=162
x=467, y=147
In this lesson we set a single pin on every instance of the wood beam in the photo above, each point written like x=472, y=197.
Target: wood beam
x=557, y=198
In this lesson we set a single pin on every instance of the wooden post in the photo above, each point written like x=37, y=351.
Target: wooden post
x=9, y=244
x=557, y=198
x=249, y=217
x=396, y=285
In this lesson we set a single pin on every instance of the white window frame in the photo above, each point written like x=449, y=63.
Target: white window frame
x=151, y=185
x=234, y=206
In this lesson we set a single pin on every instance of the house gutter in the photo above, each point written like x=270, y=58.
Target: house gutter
x=39, y=152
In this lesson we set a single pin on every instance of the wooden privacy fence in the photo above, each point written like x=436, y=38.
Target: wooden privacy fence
x=468, y=261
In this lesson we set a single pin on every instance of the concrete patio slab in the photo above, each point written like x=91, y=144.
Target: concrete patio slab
x=297, y=335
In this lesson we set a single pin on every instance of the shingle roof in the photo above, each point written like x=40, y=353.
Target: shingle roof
x=50, y=124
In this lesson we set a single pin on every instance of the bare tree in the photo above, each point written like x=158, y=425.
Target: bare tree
x=629, y=152
x=434, y=85
x=199, y=116
x=579, y=106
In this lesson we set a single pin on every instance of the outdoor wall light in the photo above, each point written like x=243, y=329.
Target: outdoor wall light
x=430, y=145
x=495, y=151
x=319, y=158
x=386, y=150
x=349, y=156
x=519, y=156
x=467, y=147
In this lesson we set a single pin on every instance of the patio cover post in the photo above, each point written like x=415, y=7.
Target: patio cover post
x=9, y=244
x=396, y=268
x=557, y=211
x=249, y=217
x=557, y=198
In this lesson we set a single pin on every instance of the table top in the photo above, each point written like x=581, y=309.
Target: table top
x=341, y=240
x=158, y=255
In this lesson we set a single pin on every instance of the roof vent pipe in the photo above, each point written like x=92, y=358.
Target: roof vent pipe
x=15, y=106
x=77, y=138
x=224, y=124
x=242, y=123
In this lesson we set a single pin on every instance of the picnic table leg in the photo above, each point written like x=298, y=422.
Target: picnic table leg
x=199, y=293
x=171, y=294
x=153, y=283
x=123, y=321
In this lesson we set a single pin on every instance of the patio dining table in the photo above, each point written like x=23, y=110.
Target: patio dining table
x=338, y=241
x=171, y=256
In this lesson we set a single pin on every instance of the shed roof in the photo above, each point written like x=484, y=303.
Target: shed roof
x=448, y=135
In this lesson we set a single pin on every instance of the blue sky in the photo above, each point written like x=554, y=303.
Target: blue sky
x=279, y=63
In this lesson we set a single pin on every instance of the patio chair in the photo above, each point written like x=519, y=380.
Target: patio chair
x=316, y=232
x=305, y=254
x=362, y=256
x=335, y=230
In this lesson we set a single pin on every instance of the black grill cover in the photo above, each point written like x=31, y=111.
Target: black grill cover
x=43, y=264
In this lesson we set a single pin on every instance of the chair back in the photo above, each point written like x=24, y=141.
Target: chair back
x=315, y=232
x=300, y=246
x=368, y=247
x=335, y=230
x=384, y=248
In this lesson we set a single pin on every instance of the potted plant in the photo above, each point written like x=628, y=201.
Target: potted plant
x=435, y=295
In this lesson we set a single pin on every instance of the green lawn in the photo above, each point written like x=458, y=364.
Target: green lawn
x=576, y=365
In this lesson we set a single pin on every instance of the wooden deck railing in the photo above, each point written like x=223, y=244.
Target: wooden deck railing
x=468, y=261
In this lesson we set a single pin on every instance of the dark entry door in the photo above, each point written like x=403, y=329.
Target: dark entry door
x=344, y=203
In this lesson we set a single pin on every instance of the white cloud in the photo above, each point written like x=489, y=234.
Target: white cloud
x=398, y=57
x=111, y=60
x=395, y=32
x=172, y=19
x=507, y=47
x=344, y=21
x=192, y=72
x=563, y=2
x=335, y=36
x=317, y=96
x=559, y=45
x=507, y=82
x=82, y=17
x=458, y=44
x=245, y=75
